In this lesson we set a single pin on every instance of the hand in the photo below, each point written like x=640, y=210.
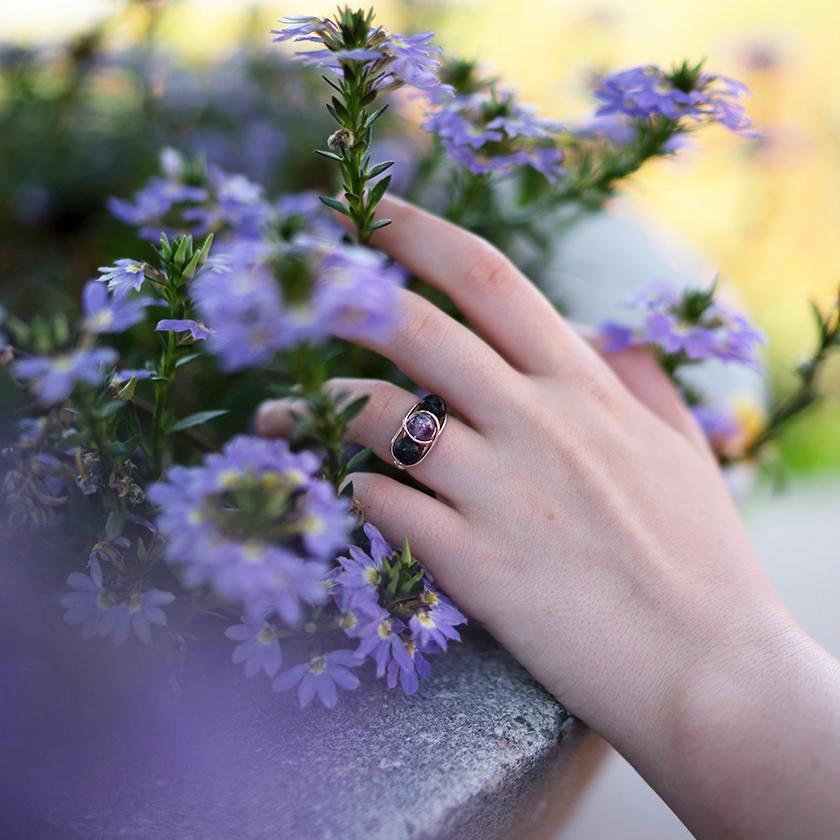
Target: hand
x=578, y=515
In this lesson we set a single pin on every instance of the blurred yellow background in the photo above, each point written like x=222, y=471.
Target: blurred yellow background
x=768, y=217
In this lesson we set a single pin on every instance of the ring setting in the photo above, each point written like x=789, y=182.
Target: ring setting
x=419, y=431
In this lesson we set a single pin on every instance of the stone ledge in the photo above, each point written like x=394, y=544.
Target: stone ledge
x=228, y=758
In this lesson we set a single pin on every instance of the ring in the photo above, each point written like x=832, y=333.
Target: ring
x=420, y=429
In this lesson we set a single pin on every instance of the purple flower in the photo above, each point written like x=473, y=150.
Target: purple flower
x=490, y=132
x=234, y=202
x=320, y=676
x=409, y=678
x=153, y=207
x=299, y=28
x=359, y=574
x=120, y=377
x=258, y=646
x=54, y=378
x=686, y=95
x=692, y=324
x=436, y=624
x=413, y=62
x=197, y=330
x=396, y=59
x=105, y=313
x=381, y=639
x=123, y=275
x=278, y=295
x=256, y=523
x=100, y=612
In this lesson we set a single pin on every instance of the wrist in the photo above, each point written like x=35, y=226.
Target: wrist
x=732, y=732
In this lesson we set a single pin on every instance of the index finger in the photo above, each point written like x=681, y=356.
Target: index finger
x=498, y=300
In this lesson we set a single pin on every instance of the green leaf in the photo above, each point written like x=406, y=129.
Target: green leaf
x=380, y=168
x=380, y=223
x=111, y=408
x=378, y=190
x=357, y=460
x=185, y=360
x=375, y=116
x=335, y=204
x=197, y=419
x=350, y=411
x=329, y=155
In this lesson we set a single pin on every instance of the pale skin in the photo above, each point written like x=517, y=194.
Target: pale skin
x=580, y=517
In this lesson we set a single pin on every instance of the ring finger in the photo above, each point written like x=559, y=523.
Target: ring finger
x=445, y=469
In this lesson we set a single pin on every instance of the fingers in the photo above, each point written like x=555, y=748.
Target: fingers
x=401, y=511
x=444, y=357
x=502, y=304
x=645, y=379
x=447, y=469
x=641, y=374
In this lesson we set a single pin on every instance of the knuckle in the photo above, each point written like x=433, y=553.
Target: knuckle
x=487, y=269
x=424, y=327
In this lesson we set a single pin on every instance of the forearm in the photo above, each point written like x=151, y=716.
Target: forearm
x=750, y=744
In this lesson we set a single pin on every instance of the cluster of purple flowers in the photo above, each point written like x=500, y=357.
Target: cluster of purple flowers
x=53, y=378
x=686, y=95
x=397, y=633
x=272, y=296
x=189, y=199
x=396, y=627
x=396, y=60
x=488, y=131
x=102, y=611
x=693, y=325
x=256, y=523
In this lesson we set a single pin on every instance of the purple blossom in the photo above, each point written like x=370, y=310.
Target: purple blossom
x=54, y=378
x=272, y=561
x=413, y=62
x=339, y=289
x=409, y=678
x=100, y=612
x=120, y=377
x=320, y=676
x=435, y=625
x=105, y=313
x=399, y=59
x=197, y=330
x=299, y=28
x=684, y=95
x=490, y=132
x=258, y=648
x=359, y=574
x=691, y=324
x=196, y=202
x=381, y=639
x=123, y=275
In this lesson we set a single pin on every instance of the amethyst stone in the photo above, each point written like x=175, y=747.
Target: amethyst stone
x=407, y=451
x=421, y=426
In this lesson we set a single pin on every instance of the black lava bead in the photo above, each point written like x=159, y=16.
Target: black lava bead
x=406, y=451
x=434, y=404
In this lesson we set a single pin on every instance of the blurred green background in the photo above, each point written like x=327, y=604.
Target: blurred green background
x=766, y=217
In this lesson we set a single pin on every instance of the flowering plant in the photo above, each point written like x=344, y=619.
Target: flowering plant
x=248, y=294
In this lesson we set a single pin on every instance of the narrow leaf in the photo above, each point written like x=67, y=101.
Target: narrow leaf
x=329, y=155
x=380, y=168
x=375, y=116
x=335, y=204
x=357, y=460
x=380, y=223
x=196, y=419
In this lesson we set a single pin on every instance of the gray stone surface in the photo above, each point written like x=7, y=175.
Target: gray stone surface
x=223, y=757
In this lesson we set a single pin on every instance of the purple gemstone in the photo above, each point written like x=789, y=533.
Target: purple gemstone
x=421, y=426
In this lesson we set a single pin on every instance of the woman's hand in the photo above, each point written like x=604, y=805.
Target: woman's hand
x=579, y=514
